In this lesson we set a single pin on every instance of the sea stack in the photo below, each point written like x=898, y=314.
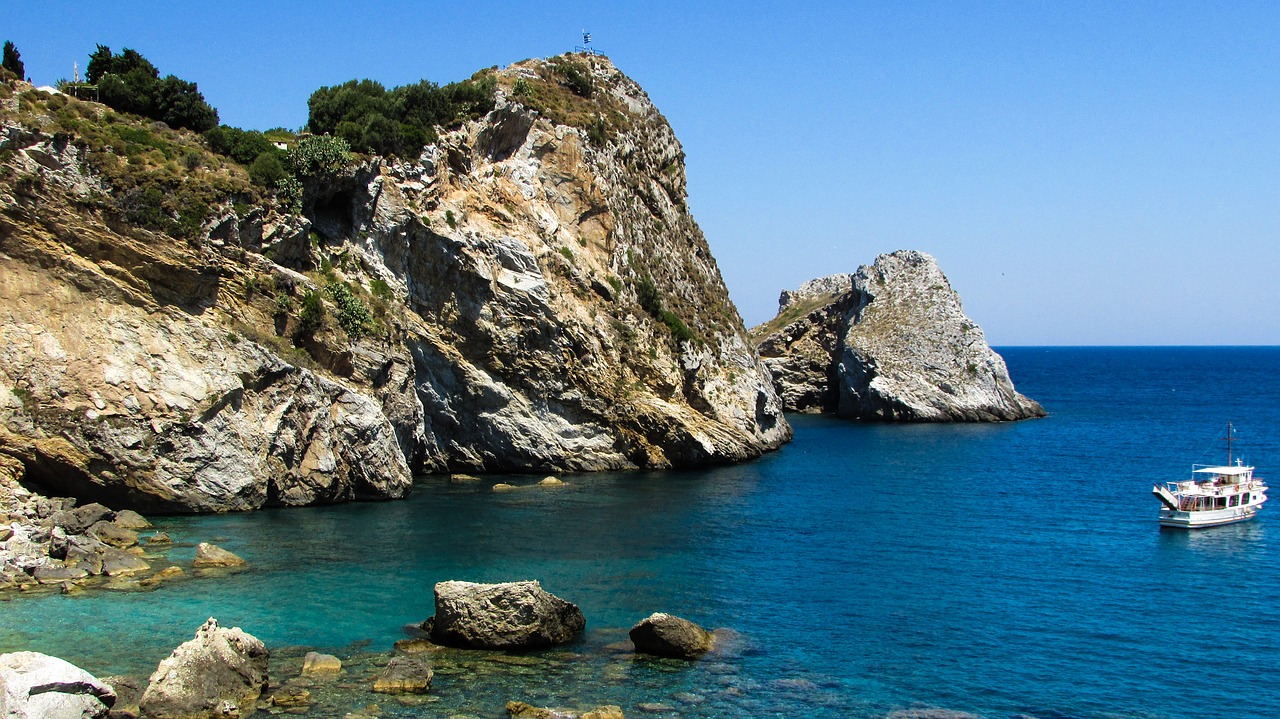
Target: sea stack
x=889, y=342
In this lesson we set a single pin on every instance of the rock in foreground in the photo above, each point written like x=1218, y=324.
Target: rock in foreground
x=38, y=686
x=513, y=615
x=665, y=635
x=220, y=673
x=889, y=342
x=404, y=675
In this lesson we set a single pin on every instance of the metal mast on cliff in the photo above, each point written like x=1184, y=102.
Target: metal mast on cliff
x=585, y=47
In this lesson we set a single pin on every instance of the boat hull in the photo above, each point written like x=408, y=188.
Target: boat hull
x=1206, y=518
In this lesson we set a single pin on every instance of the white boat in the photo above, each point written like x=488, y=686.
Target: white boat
x=1215, y=494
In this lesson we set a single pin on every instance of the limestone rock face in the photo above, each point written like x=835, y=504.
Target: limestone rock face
x=666, y=635
x=513, y=615
x=542, y=300
x=38, y=686
x=219, y=673
x=890, y=342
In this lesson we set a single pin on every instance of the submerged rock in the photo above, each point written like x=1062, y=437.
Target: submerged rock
x=220, y=673
x=404, y=675
x=513, y=615
x=666, y=635
x=128, y=691
x=889, y=342
x=38, y=686
x=317, y=663
x=521, y=710
x=211, y=555
x=291, y=697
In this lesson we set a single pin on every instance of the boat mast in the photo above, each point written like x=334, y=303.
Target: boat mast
x=1228, y=438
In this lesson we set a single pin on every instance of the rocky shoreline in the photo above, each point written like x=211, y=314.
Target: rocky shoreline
x=55, y=544
x=226, y=672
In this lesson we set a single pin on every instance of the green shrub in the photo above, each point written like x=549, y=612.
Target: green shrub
x=598, y=132
x=380, y=289
x=319, y=154
x=574, y=77
x=243, y=146
x=650, y=299
x=289, y=190
x=397, y=122
x=312, y=314
x=353, y=315
x=267, y=170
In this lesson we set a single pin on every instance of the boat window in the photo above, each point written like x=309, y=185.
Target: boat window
x=1235, y=500
x=1245, y=498
x=1221, y=502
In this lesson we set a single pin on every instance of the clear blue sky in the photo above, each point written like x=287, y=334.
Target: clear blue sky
x=1085, y=172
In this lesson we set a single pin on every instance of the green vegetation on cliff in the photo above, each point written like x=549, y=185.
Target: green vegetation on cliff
x=399, y=122
x=130, y=83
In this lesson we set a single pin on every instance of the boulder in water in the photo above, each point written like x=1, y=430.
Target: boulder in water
x=211, y=555
x=512, y=615
x=220, y=673
x=666, y=635
x=317, y=663
x=404, y=675
x=38, y=686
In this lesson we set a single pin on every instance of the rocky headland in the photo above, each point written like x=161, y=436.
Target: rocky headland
x=528, y=293
x=889, y=342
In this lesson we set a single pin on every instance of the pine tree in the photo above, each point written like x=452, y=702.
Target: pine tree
x=13, y=60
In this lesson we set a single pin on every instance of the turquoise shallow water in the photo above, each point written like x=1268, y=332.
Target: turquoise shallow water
x=998, y=569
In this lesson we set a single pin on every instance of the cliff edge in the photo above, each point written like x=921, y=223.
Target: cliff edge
x=889, y=342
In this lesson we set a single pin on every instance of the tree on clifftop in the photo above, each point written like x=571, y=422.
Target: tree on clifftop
x=13, y=60
x=398, y=121
x=130, y=83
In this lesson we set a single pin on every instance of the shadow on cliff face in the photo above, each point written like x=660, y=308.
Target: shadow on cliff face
x=338, y=204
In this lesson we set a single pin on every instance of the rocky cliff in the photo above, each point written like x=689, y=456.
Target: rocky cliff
x=889, y=342
x=529, y=294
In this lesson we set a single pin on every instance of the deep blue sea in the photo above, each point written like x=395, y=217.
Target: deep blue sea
x=1003, y=570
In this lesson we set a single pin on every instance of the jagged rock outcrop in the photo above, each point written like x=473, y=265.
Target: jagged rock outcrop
x=541, y=300
x=510, y=615
x=38, y=686
x=889, y=342
x=219, y=673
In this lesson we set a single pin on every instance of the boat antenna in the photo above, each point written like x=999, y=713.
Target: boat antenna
x=1230, y=431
